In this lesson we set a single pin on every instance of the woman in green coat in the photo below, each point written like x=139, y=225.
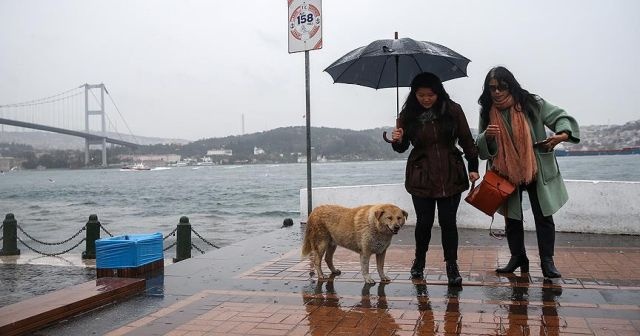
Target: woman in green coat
x=514, y=140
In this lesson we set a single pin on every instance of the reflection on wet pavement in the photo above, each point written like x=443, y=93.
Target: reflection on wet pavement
x=263, y=287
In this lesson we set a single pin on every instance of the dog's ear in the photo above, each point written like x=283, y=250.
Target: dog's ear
x=405, y=214
x=378, y=213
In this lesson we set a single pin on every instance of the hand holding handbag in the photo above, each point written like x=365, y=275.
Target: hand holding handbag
x=490, y=193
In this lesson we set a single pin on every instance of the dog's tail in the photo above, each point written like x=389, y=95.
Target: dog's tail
x=306, y=242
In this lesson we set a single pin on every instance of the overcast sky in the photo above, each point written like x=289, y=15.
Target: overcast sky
x=190, y=69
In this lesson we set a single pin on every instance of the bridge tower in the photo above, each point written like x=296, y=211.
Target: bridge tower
x=100, y=112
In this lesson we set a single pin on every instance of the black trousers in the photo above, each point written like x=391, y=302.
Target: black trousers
x=545, y=228
x=425, y=212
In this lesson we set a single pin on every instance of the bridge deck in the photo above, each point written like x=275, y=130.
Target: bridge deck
x=88, y=136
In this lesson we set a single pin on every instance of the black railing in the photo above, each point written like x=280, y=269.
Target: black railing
x=10, y=239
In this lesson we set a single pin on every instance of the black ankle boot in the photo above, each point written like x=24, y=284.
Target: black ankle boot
x=549, y=270
x=516, y=261
x=453, y=274
x=417, y=269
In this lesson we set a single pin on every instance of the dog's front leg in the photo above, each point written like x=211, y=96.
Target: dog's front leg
x=364, y=264
x=380, y=265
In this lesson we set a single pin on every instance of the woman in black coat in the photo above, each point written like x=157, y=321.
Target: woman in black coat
x=435, y=173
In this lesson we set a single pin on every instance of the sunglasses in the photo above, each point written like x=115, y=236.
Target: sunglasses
x=500, y=87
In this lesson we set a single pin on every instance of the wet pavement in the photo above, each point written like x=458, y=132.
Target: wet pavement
x=262, y=286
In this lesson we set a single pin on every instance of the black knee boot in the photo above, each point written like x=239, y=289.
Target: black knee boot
x=417, y=269
x=515, y=239
x=453, y=274
x=549, y=270
x=516, y=261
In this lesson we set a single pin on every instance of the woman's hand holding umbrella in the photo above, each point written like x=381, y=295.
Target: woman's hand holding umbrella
x=396, y=134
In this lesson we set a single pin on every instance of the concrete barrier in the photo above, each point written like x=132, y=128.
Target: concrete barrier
x=594, y=206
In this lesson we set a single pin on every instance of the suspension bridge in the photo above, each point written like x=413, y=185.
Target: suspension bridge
x=78, y=112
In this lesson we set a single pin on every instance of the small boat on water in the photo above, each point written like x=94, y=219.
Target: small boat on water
x=135, y=167
x=206, y=161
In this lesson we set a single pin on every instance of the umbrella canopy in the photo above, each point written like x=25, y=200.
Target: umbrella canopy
x=394, y=63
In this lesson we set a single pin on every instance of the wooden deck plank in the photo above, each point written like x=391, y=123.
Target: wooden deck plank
x=37, y=312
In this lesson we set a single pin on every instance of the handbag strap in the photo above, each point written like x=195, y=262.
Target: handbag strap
x=500, y=234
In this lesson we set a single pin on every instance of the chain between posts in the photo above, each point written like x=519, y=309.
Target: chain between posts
x=105, y=230
x=170, y=246
x=50, y=254
x=197, y=248
x=50, y=244
x=84, y=228
x=172, y=233
x=204, y=240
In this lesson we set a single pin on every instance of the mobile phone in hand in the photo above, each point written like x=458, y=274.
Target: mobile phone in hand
x=541, y=143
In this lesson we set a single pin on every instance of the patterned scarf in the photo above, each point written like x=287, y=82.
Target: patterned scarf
x=515, y=159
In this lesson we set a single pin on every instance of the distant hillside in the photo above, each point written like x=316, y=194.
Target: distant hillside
x=286, y=144
x=49, y=140
x=343, y=144
x=332, y=143
x=609, y=137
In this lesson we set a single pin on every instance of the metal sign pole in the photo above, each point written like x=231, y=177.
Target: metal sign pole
x=308, y=117
x=305, y=33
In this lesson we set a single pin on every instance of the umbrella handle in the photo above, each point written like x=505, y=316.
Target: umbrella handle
x=384, y=136
x=398, y=125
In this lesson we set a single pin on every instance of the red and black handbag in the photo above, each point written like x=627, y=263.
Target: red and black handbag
x=490, y=193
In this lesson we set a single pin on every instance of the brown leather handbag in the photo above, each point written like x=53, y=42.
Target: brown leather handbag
x=490, y=193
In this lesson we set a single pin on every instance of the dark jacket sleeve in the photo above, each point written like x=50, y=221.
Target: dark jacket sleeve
x=465, y=140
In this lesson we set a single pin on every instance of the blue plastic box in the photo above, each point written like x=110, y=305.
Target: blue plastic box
x=129, y=251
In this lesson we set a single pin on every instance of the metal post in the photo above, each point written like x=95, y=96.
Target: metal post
x=93, y=234
x=308, y=117
x=10, y=236
x=183, y=240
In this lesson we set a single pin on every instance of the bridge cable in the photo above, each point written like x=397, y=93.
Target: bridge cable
x=113, y=126
x=40, y=103
x=32, y=102
x=123, y=120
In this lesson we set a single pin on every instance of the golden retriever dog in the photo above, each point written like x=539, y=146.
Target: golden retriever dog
x=366, y=230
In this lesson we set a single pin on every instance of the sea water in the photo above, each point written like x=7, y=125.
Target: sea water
x=224, y=203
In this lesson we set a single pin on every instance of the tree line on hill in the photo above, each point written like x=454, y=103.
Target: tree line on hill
x=287, y=144
x=283, y=145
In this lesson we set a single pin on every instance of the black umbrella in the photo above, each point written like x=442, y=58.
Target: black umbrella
x=394, y=63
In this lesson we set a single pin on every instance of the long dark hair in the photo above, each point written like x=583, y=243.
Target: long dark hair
x=520, y=96
x=411, y=108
